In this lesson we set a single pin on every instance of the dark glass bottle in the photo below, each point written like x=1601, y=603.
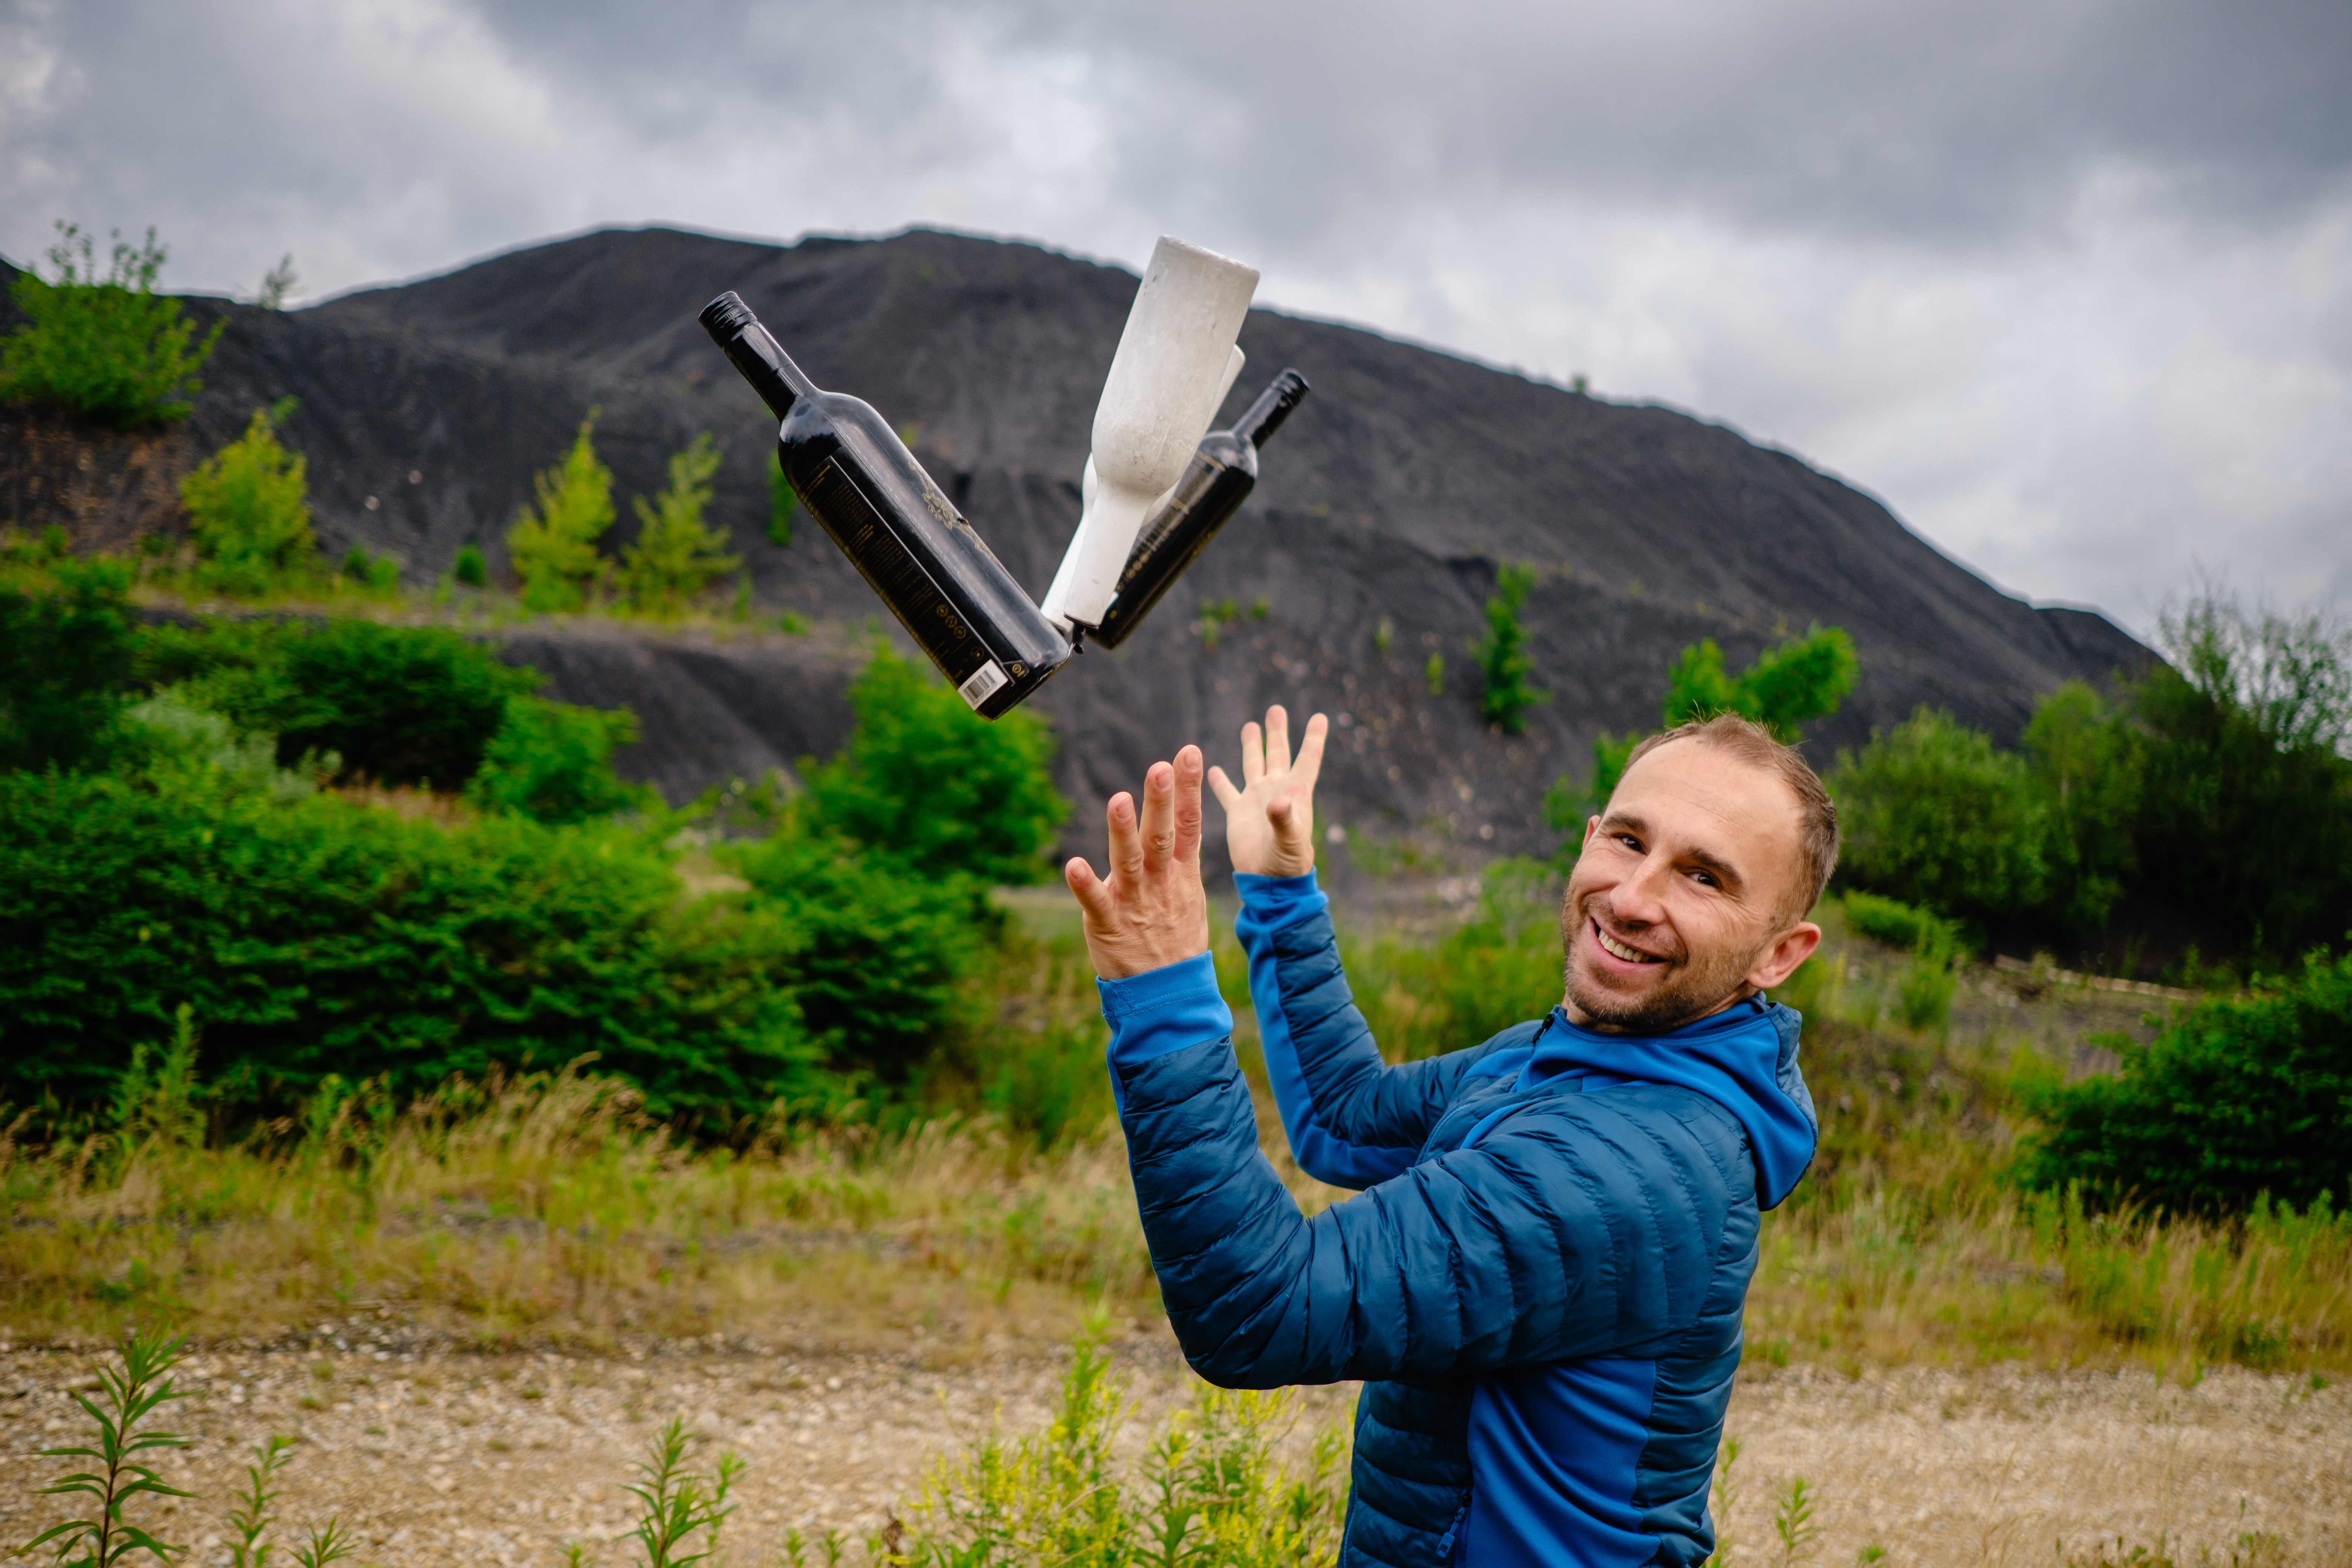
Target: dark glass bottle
x=897, y=527
x=1222, y=474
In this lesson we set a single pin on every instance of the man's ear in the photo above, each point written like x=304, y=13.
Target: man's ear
x=1777, y=962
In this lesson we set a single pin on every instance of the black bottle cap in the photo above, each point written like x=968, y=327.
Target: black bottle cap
x=726, y=316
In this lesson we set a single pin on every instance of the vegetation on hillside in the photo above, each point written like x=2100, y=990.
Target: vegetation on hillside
x=2216, y=785
x=522, y=908
x=1506, y=690
x=103, y=344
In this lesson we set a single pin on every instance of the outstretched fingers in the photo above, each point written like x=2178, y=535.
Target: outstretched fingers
x=1188, y=805
x=1277, y=740
x=1093, y=894
x=1309, y=765
x=1158, y=816
x=1253, y=753
x=1126, y=840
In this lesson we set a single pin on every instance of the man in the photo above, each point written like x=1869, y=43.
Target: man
x=1541, y=1280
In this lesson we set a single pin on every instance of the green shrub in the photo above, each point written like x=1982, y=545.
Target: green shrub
x=249, y=507
x=881, y=954
x=400, y=705
x=1898, y=924
x=783, y=502
x=323, y=937
x=1500, y=969
x=2088, y=761
x=378, y=575
x=1932, y=814
x=1926, y=989
x=108, y=347
x=1785, y=689
x=552, y=549
x=470, y=570
x=2234, y=1098
x=676, y=554
x=1210, y=1488
x=928, y=784
x=553, y=762
x=2246, y=811
x=1503, y=661
x=66, y=651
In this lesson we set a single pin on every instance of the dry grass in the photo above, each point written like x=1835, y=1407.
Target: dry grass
x=546, y=1211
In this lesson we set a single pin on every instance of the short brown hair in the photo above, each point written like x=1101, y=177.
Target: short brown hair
x=1750, y=742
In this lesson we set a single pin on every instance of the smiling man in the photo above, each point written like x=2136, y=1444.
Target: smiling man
x=1541, y=1280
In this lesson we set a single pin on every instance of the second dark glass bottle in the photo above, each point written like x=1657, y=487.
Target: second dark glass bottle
x=1221, y=477
x=898, y=527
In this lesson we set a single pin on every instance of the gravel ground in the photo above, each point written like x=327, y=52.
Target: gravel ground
x=434, y=1454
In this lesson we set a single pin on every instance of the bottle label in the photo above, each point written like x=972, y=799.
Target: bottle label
x=857, y=526
x=983, y=684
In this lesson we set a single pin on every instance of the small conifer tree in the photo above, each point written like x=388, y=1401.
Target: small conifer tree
x=249, y=505
x=676, y=554
x=111, y=346
x=1503, y=661
x=553, y=546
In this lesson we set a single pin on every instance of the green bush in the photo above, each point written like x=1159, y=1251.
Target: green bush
x=1504, y=662
x=553, y=762
x=1211, y=1487
x=1898, y=924
x=2246, y=813
x=1785, y=689
x=2234, y=1098
x=2088, y=761
x=249, y=507
x=66, y=650
x=470, y=569
x=676, y=554
x=881, y=955
x=552, y=549
x=928, y=784
x=321, y=938
x=400, y=705
x=1932, y=814
x=1501, y=968
x=108, y=347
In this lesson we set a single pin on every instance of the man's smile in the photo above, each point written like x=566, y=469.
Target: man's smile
x=1620, y=951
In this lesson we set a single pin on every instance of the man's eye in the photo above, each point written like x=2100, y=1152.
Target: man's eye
x=1704, y=879
x=1630, y=842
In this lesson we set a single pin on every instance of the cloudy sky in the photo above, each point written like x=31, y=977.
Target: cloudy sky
x=2067, y=282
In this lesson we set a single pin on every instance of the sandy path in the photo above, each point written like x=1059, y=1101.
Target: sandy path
x=435, y=1456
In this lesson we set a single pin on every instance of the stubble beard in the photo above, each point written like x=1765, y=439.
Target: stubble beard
x=1687, y=988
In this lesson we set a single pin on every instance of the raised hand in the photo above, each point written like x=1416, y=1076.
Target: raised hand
x=1270, y=823
x=1152, y=911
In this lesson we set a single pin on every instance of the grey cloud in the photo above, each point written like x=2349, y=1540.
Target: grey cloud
x=2069, y=282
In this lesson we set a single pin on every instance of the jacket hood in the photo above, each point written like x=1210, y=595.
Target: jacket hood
x=1744, y=1058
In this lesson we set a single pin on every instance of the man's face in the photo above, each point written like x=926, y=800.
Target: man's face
x=1678, y=905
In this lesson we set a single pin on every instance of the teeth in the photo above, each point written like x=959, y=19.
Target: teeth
x=1616, y=948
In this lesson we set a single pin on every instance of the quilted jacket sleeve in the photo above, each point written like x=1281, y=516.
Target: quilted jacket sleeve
x=1580, y=1225
x=1351, y=1119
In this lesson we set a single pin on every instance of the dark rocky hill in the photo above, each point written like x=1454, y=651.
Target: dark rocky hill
x=1392, y=498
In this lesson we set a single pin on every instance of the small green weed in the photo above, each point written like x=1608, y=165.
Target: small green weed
x=128, y=1394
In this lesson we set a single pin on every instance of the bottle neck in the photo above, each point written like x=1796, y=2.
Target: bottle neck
x=1265, y=417
x=755, y=352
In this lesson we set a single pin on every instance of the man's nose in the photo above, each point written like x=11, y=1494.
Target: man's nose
x=1640, y=898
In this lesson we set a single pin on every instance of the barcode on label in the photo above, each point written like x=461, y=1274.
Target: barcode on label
x=983, y=684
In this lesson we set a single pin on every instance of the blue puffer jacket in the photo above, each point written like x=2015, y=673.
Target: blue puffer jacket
x=1541, y=1285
